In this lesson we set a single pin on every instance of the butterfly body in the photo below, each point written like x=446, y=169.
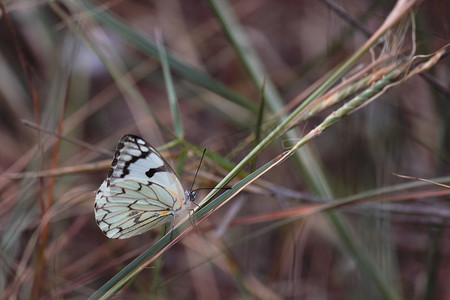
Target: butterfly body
x=141, y=191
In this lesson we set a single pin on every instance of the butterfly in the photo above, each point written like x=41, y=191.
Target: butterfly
x=140, y=192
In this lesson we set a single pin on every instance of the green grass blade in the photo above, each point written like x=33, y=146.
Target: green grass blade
x=171, y=94
x=143, y=44
x=115, y=67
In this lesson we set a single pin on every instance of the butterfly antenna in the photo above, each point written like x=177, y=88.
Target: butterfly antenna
x=198, y=168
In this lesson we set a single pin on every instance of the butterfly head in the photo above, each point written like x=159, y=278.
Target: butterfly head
x=191, y=195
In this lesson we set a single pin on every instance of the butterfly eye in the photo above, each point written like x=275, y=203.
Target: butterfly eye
x=192, y=195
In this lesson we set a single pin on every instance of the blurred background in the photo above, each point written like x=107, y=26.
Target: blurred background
x=90, y=72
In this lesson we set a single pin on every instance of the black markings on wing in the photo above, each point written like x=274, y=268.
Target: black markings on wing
x=136, y=159
x=152, y=171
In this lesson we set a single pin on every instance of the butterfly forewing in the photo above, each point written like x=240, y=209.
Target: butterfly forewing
x=140, y=192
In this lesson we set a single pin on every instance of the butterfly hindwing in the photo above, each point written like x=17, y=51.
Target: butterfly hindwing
x=141, y=191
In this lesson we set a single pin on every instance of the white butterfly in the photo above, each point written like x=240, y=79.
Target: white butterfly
x=141, y=191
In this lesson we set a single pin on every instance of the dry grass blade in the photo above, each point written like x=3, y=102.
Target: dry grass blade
x=314, y=210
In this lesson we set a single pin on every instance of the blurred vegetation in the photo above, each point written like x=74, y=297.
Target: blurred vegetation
x=326, y=102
